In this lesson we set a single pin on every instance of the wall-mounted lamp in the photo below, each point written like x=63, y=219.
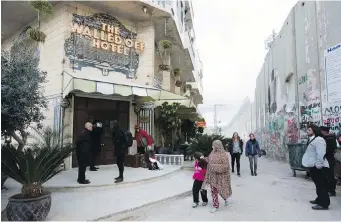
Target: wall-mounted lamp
x=145, y=9
x=137, y=108
x=65, y=103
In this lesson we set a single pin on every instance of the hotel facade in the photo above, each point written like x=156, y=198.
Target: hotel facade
x=105, y=61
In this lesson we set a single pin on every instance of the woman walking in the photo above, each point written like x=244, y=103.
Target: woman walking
x=252, y=151
x=236, y=150
x=218, y=174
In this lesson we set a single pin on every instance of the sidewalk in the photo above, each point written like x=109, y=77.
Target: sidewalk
x=104, y=177
x=98, y=203
x=273, y=195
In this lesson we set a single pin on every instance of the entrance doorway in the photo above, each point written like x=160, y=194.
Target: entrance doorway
x=105, y=111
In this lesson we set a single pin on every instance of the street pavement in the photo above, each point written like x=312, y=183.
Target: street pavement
x=272, y=195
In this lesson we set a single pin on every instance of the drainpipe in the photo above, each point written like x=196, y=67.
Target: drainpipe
x=297, y=99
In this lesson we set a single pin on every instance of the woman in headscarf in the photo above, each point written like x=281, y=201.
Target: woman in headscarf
x=218, y=174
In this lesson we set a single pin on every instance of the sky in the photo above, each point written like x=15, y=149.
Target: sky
x=230, y=38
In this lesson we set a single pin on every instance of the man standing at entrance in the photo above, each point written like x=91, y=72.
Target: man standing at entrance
x=331, y=147
x=96, y=143
x=119, y=141
x=143, y=140
x=83, y=147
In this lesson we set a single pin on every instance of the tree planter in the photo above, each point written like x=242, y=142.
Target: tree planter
x=165, y=44
x=178, y=83
x=176, y=72
x=28, y=209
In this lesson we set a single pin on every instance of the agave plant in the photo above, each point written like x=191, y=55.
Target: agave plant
x=204, y=142
x=37, y=163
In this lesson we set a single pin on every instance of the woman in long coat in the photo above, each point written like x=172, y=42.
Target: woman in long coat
x=218, y=174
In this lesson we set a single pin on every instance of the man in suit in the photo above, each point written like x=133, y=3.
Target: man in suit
x=331, y=147
x=314, y=159
x=119, y=141
x=83, y=147
x=96, y=143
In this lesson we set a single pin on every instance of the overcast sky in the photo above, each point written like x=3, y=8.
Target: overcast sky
x=230, y=37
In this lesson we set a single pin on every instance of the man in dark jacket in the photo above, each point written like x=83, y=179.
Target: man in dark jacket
x=330, y=151
x=96, y=143
x=83, y=147
x=119, y=141
x=252, y=151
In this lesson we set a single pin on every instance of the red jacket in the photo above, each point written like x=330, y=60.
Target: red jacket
x=139, y=135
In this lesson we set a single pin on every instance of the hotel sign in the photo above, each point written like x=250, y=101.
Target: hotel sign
x=101, y=41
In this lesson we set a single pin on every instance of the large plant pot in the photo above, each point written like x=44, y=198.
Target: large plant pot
x=30, y=209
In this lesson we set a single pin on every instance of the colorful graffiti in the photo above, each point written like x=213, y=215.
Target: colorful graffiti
x=332, y=117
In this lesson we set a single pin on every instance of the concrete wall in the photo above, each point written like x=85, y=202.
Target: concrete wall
x=290, y=88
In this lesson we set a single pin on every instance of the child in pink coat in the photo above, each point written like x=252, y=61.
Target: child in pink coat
x=200, y=166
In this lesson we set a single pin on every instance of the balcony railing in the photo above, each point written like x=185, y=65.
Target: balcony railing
x=170, y=159
x=162, y=3
x=157, y=83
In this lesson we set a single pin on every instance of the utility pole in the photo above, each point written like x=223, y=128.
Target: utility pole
x=215, y=117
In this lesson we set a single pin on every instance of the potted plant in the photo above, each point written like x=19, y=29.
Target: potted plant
x=177, y=72
x=189, y=87
x=164, y=67
x=178, y=83
x=165, y=44
x=32, y=167
x=203, y=143
x=42, y=7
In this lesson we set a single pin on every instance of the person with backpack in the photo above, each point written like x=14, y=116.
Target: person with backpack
x=122, y=139
x=143, y=140
x=330, y=151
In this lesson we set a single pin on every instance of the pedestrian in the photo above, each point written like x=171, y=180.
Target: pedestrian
x=95, y=143
x=119, y=141
x=218, y=174
x=252, y=151
x=314, y=159
x=83, y=147
x=143, y=140
x=330, y=151
x=236, y=150
x=339, y=141
x=200, y=167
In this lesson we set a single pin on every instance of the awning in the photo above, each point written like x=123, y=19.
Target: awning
x=107, y=87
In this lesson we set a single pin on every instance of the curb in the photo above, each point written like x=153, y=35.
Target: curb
x=183, y=194
x=124, y=184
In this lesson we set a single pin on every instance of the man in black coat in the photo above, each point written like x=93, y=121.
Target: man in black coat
x=95, y=143
x=119, y=141
x=330, y=151
x=83, y=147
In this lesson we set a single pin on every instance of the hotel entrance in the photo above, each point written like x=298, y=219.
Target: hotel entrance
x=106, y=111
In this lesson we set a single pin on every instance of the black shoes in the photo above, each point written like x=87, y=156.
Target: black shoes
x=118, y=180
x=83, y=181
x=319, y=207
x=238, y=174
x=94, y=168
x=232, y=170
x=313, y=202
x=255, y=173
x=252, y=173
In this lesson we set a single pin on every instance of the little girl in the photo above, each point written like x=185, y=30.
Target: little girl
x=200, y=166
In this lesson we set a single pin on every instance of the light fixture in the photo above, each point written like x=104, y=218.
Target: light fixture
x=65, y=103
x=137, y=107
x=144, y=8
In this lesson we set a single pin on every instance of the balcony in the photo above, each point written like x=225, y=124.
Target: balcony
x=188, y=46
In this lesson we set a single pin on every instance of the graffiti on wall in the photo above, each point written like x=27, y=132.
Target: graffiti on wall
x=310, y=107
x=332, y=116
